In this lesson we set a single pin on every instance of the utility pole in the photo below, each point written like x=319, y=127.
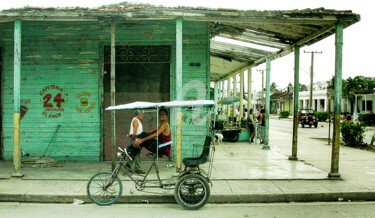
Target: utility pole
x=312, y=73
x=262, y=71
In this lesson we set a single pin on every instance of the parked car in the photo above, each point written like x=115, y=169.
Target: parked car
x=306, y=117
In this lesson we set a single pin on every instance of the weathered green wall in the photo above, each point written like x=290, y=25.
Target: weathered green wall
x=59, y=66
x=64, y=59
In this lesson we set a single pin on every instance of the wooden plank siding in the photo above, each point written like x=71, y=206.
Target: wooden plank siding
x=64, y=58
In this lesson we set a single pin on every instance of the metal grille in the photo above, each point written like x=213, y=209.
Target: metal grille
x=138, y=54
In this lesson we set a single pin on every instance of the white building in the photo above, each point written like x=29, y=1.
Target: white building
x=365, y=102
x=319, y=100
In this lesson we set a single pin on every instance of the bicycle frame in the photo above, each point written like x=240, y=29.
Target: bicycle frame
x=141, y=183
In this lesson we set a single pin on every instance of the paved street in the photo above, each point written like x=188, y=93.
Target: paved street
x=321, y=210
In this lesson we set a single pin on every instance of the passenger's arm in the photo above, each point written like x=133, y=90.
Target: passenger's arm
x=140, y=141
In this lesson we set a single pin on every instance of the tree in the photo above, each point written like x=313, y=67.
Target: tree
x=353, y=86
x=358, y=85
x=273, y=87
x=302, y=87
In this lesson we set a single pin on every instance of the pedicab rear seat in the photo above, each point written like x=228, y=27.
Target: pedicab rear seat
x=191, y=161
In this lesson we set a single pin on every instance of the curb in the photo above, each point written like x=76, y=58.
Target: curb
x=215, y=198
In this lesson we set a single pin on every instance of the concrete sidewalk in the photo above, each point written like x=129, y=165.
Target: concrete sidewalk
x=242, y=172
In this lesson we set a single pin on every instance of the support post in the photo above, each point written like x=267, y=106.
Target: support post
x=234, y=108
x=241, y=95
x=296, y=103
x=179, y=142
x=16, y=98
x=179, y=59
x=113, y=92
x=249, y=93
x=179, y=93
x=222, y=95
x=216, y=95
x=228, y=94
x=267, y=123
x=329, y=116
x=334, y=174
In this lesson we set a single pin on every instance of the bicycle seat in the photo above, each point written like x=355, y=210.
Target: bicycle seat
x=191, y=161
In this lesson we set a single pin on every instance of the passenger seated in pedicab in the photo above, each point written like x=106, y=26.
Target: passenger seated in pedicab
x=148, y=139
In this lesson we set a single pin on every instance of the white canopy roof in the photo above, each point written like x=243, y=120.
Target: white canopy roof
x=168, y=104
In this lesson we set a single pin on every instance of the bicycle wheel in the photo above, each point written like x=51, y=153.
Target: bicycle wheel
x=192, y=191
x=104, y=188
x=233, y=137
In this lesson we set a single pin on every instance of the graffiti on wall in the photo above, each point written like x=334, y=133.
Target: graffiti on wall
x=53, y=99
x=193, y=90
x=84, y=106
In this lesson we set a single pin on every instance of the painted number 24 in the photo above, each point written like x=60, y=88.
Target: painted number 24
x=57, y=99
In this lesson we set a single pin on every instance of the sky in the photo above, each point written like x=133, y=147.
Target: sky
x=358, y=43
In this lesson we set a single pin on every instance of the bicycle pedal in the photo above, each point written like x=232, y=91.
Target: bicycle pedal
x=131, y=191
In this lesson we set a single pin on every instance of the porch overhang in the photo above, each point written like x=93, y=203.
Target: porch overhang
x=272, y=34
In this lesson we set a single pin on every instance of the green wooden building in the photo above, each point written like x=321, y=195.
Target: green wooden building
x=60, y=65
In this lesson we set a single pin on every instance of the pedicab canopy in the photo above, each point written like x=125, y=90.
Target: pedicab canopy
x=232, y=100
x=168, y=104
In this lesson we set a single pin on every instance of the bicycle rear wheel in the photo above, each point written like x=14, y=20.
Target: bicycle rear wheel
x=192, y=191
x=104, y=188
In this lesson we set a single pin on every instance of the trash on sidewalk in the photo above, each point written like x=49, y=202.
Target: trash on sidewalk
x=77, y=201
x=144, y=201
x=169, y=165
x=40, y=162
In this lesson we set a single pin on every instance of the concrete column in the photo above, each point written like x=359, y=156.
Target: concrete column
x=318, y=105
x=16, y=99
x=325, y=104
x=267, y=123
x=296, y=102
x=334, y=174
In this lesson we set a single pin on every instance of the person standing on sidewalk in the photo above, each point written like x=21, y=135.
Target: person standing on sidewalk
x=135, y=129
x=250, y=122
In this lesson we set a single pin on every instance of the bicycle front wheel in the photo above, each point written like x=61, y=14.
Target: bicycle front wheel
x=104, y=188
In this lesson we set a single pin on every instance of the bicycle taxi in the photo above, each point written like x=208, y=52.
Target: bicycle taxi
x=191, y=186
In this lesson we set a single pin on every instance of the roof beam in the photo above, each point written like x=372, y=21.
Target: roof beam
x=290, y=48
x=271, y=45
x=232, y=47
x=274, y=40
